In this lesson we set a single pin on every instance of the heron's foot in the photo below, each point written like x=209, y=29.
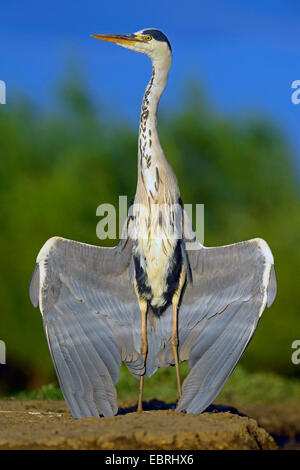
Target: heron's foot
x=140, y=408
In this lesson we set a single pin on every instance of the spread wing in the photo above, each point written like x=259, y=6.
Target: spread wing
x=91, y=319
x=220, y=309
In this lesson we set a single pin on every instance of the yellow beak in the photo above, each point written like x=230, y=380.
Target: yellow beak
x=118, y=38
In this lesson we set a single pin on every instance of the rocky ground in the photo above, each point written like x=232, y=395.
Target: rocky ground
x=48, y=425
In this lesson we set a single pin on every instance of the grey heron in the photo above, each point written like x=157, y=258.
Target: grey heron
x=152, y=300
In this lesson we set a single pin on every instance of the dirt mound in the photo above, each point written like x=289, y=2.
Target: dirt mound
x=282, y=421
x=48, y=425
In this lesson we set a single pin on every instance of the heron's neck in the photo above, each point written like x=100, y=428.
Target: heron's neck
x=150, y=151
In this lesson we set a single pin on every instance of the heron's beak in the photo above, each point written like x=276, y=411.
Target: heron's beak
x=121, y=39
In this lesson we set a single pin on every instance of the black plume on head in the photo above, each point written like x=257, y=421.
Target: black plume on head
x=158, y=35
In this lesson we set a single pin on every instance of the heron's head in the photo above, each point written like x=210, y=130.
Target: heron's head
x=149, y=41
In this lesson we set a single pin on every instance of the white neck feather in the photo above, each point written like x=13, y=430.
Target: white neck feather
x=151, y=159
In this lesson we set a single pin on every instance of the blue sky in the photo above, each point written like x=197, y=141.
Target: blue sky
x=244, y=53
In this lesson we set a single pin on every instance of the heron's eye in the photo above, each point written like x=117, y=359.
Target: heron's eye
x=148, y=38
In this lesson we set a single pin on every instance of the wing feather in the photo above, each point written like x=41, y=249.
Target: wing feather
x=35, y=286
x=219, y=314
x=91, y=319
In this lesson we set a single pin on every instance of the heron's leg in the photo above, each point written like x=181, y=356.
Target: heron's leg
x=174, y=337
x=174, y=342
x=144, y=347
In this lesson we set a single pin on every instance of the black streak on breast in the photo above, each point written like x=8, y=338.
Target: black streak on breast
x=172, y=281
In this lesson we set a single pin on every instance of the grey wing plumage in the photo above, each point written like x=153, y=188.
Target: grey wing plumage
x=91, y=319
x=219, y=313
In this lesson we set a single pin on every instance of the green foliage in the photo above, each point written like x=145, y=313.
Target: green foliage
x=57, y=167
x=241, y=388
x=50, y=391
x=259, y=387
